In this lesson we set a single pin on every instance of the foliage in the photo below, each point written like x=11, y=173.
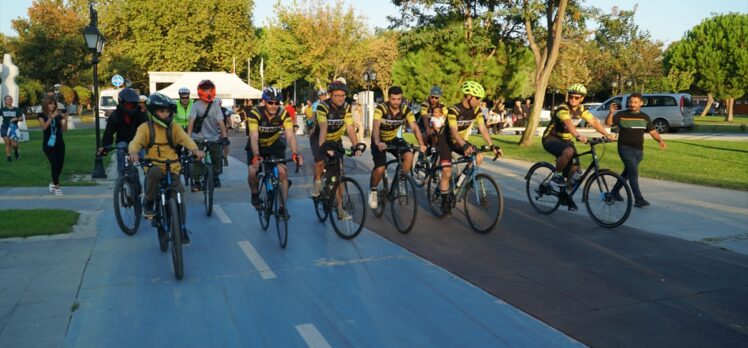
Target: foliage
x=84, y=95
x=30, y=91
x=68, y=94
x=678, y=80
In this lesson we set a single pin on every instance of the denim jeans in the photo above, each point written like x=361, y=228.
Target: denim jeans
x=631, y=157
x=122, y=154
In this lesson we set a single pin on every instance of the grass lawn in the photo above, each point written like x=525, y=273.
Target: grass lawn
x=26, y=223
x=717, y=124
x=704, y=162
x=33, y=168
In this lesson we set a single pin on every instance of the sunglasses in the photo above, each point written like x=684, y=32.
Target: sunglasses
x=272, y=103
x=433, y=97
x=130, y=106
x=184, y=97
x=575, y=97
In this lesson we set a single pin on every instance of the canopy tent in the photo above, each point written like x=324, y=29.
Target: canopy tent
x=228, y=86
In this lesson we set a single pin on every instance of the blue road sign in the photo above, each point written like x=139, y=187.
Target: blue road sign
x=117, y=80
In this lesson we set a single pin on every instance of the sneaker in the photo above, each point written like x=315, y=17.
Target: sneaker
x=446, y=205
x=316, y=188
x=571, y=204
x=373, y=202
x=343, y=215
x=186, y=238
x=225, y=162
x=57, y=191
x=558, y=182
x=283, y=213
x=256, y=200
x=641, y=203
x=216, y=182
x=17, y=154
x=51, y=187
x=149, y=212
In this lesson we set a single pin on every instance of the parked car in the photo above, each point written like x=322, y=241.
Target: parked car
x=699, y=109
x=668, y=111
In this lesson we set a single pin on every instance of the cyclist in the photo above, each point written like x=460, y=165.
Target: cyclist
x=389, y=117
x=265, y=126
x=333, y=118
x=161, y=145
x=427, y=108
x=558, y=138
x=141, y=103
x=206, y=124
x=124, y=121
x=460, y=120
x=182, y=116
x=227, y=121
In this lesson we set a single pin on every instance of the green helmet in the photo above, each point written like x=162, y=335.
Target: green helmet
x=473, y=88
x=577, y=88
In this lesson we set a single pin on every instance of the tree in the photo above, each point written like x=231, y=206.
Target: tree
x=84, y=97
x=716, y=50
x=30, y=91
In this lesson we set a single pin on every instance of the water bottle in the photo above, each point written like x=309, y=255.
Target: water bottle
x=576, y=176
x=461, y=178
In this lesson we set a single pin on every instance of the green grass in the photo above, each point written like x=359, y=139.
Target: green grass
x=33, y=168
x=703, y=162
x=717, y=124
x=36, y=222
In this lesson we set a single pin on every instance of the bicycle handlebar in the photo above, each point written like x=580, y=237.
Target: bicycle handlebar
x=281, y=161
x=598, y=141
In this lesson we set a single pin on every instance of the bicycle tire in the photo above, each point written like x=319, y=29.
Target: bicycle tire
x=264, y=202
x=281, y=220
x=421, y=169
x=353, y=204
x=208, y=190
x=319, y=208
x=538, y=186
x=127, y=205
x=484, y=183
x=186, y=175
x=175, y=234
x=605, y=198
x=433, y=195
x=399, y=204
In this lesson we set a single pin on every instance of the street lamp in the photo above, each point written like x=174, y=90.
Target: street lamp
x=614, y=84
x=369, y=76
x=95, y=42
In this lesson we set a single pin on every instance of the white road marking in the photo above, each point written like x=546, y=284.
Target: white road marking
x=256, y=260
x=221, y=214
x=312, y=336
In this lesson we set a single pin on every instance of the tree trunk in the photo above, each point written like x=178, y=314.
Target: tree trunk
x=729, y=106
x=709, y=102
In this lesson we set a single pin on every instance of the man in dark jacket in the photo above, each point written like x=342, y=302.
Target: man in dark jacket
x=123, y=122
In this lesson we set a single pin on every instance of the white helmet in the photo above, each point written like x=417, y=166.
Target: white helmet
x=143, y=98
x=218, y=101
x=184, y=90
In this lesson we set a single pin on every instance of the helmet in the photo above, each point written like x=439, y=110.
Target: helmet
x=577, y=88
x=206, y=91
x=473, y=88
x=159, y=101
x=321, y=92
x=436, y=91
x=272, y=94
x=218, y=101
x=337, y=86
x=184, y=90
x=142, y=98
x=128, y=100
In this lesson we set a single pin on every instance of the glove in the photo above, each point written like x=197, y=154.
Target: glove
x=256, y=159
x=361, y=147
x=296, y=157
x=495, y=148
x=466, y=146
x=225, y=141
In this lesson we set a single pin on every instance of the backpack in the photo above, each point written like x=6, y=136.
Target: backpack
x=152, y=136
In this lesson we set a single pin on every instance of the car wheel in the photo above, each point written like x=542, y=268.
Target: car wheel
x=661, y=126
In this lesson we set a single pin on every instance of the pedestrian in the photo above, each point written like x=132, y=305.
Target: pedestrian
x=11, y=115
x=526, y=109
x=54, y=123
x=517, y=116
x=631, y=124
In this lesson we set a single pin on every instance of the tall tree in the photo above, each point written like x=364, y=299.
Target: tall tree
x=716, y=50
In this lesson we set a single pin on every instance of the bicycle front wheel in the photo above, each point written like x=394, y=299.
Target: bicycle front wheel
x=420, y=171
x=281, y=218
x=404, y=206
x=600, y=199
x=349, y=214
x=382, y=198
x=175, y=233
x=540, y=193
x=484, y=204
x=264, y=209
x=127, y=205
x=208, y=189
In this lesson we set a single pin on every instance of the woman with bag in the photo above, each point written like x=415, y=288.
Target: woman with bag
x=54, y=123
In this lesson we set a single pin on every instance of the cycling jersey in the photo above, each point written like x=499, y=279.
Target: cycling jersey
x=564, y=112
x=463, y=118
x=390, y=123
x=337, y=119
x=182, y=116
x=269, y=129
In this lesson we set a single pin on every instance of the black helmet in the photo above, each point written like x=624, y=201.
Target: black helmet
x=337, y=86
x=159, y=101
x=128, y=100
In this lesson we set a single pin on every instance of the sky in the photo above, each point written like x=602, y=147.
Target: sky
x=666, y=20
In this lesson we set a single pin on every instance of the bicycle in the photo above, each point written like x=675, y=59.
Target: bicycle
x=481, y=186
x=207, y=181
x=350, y=209
x=127, y=203
x=423, y=166
x=169, y=219
x=271, y=199
x=186, y=172
x=598, y=184
x=402, y=190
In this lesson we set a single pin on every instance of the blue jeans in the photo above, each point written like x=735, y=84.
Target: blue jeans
x=122, y=154
x=631, y=157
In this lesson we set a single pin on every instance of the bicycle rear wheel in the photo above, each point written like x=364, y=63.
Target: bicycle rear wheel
x=601, y=202
x=208, y=189
x=404, y=205
x=433, y=194
x=175, y=234
x=348, y=219
x=382, y=198
x=281, y=218
x=484, y=204
x=540, y=193
x=127, y=205
x=420, y=171
x=262, y=211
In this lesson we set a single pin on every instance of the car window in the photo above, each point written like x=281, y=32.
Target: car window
x=606, y=106
x=108, y=101
x=655, y=101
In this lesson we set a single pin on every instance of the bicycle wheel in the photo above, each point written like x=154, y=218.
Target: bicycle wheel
x=348, y=219
x=382, y=198
x=484, y=204
x=541, y=195
x=127, y=205
x=175, y=234
x=420, y=171
x=186, y=174
x=433, y=194
x=404, y=206
x=601, y=202
x=320, y=207
x=262, y=211
x=208, y=189
x=281, y=219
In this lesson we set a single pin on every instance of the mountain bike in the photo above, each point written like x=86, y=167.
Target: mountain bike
x=271, y=199
x=127, y=202
x=401, y=193
x=208, y=178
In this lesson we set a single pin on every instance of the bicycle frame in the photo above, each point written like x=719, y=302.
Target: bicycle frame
x=593, y=168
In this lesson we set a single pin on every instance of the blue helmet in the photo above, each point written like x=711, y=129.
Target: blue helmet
x=436, y=91
x=272, y=94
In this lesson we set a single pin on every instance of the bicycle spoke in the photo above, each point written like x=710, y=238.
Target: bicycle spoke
x=601, y=203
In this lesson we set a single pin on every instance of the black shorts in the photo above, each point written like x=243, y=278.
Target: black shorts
x=439, y=140
x=314, y=144
x=380, y=157
x=277, y=150
x=556, y=146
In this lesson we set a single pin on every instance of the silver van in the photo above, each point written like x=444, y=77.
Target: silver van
x=668, y=111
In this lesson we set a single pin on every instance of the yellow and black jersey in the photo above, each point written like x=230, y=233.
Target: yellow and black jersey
x=428, y=110
x=391, y=122
x=337, y=119
x=268, y=128
x=564, y=112
x=463, y=118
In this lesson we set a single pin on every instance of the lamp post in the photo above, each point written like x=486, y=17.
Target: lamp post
x=614, y=84
x=95, y=42
x=369, y=76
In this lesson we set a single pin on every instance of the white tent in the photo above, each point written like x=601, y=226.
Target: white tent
x=228, y=86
